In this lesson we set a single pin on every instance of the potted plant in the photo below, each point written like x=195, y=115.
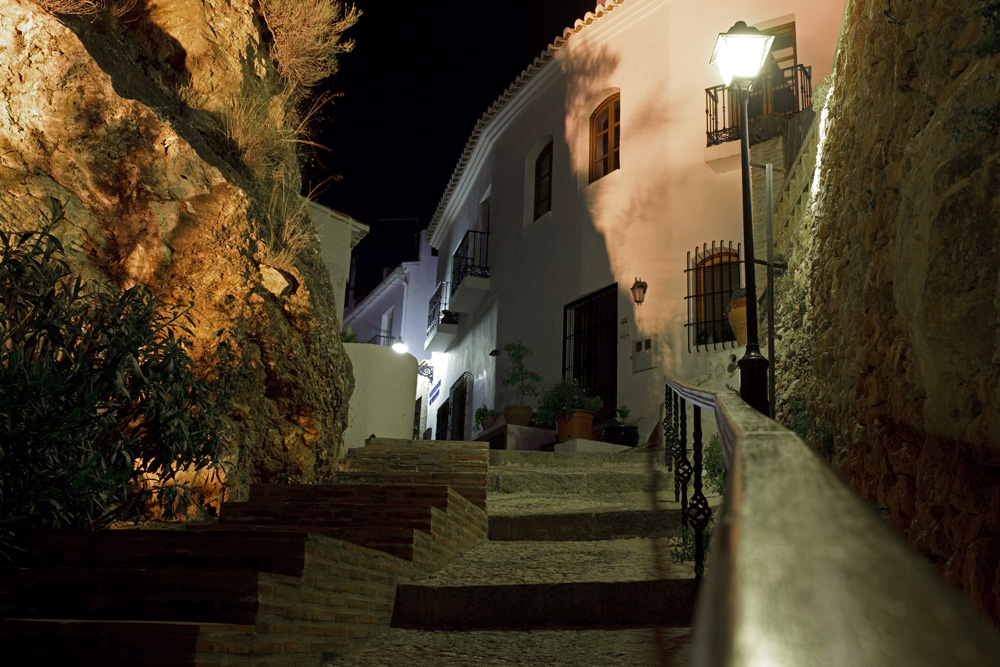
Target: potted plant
x=525, y=381
x=570, y=407
x=738, y=314
x=486, y=418
x=621, y=431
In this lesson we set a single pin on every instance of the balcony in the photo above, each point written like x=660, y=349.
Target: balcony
x=470, y=272
x=784, y=92
x=442, y=323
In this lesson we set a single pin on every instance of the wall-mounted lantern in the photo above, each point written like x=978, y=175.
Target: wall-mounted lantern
x=638, y=291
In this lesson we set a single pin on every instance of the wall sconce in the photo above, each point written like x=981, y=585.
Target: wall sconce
x=638, y=291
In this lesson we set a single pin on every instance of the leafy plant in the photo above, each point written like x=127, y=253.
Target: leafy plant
x=713, y=466
x=100, y=407
x=348, y=336
x=518, y=376
x=738, y=293
x=563, y=399
x=621, y=417
x=481, y=412
x=685, y=550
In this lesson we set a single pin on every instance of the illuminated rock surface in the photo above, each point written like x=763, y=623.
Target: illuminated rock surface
x=120, y=120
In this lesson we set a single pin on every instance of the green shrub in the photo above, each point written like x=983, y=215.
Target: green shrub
x=563, y=399
x=100, y=407
x=713, y=466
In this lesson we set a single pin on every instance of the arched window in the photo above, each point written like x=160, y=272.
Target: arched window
x=605, y=142
x=543, y=182
x=713, y=273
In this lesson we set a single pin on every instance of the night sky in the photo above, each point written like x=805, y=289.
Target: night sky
x=420, y=76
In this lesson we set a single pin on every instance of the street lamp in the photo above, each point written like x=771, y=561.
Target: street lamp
x=740, y=54
x=400, y=346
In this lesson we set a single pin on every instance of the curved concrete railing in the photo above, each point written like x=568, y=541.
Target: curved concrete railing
x=803, y=572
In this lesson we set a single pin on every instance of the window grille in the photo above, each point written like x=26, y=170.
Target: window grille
x=712, y=273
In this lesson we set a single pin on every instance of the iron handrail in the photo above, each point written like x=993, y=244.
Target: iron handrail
x=785, y=92
x=804, y=572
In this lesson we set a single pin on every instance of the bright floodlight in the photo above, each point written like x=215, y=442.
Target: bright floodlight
x=740, y=53
x=400, y=346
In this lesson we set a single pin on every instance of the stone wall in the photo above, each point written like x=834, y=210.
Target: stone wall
x=124, y=120
x=889, y=317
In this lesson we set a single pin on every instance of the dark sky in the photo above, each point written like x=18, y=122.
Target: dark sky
x=420, y=76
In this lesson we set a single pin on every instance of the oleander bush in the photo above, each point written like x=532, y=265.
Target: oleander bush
x=100, y=405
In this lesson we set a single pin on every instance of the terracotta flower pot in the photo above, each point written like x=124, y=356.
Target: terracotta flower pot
x=518, y=415
x=577, y=426
x=738, y=319
x=488, y=421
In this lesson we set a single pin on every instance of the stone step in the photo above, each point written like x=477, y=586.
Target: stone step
x=122, y=643
x=636, y=647
x=187, y=595
x=510, y=458
x=543, y=584
x=276, y=552
x=530, y=516
x=566, y=480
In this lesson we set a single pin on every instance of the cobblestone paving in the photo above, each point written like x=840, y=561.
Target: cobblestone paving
x=505, y=563
x=548, y=648
x=525, y=503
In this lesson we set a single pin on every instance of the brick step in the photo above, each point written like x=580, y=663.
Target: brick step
x=469, y=485
x=436, y=496
x=568, y=604
x=325, y=513
x=121, y=643
x=161, y=594
x=397, y=541
x=276, y=552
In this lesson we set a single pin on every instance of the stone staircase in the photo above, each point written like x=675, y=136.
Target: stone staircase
x=293, y=574
x=576, y=572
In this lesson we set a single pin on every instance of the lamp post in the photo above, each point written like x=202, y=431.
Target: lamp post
x=740, y=53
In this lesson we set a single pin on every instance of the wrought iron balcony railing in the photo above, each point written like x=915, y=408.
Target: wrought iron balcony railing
x=785, y=92
x=471, y=258
x=437, y=311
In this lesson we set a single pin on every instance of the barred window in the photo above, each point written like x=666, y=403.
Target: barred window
x=713, y=272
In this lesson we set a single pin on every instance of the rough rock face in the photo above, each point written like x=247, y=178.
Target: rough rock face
x=892, y=310
x=119, y=119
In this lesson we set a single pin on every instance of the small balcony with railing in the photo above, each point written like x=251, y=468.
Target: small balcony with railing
x=470, y=272
x=442, y=323
x=784, y=92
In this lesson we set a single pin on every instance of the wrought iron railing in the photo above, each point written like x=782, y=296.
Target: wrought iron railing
x=796, y=552
x=437, y=310
x=696, y=514
x=785, y=92
x=471, y=258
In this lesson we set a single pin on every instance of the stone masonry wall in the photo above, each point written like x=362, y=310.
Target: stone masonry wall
x=889, y=317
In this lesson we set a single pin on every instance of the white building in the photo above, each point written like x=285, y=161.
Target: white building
x=394, y=314
x=338, y=235
x=593, y=169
